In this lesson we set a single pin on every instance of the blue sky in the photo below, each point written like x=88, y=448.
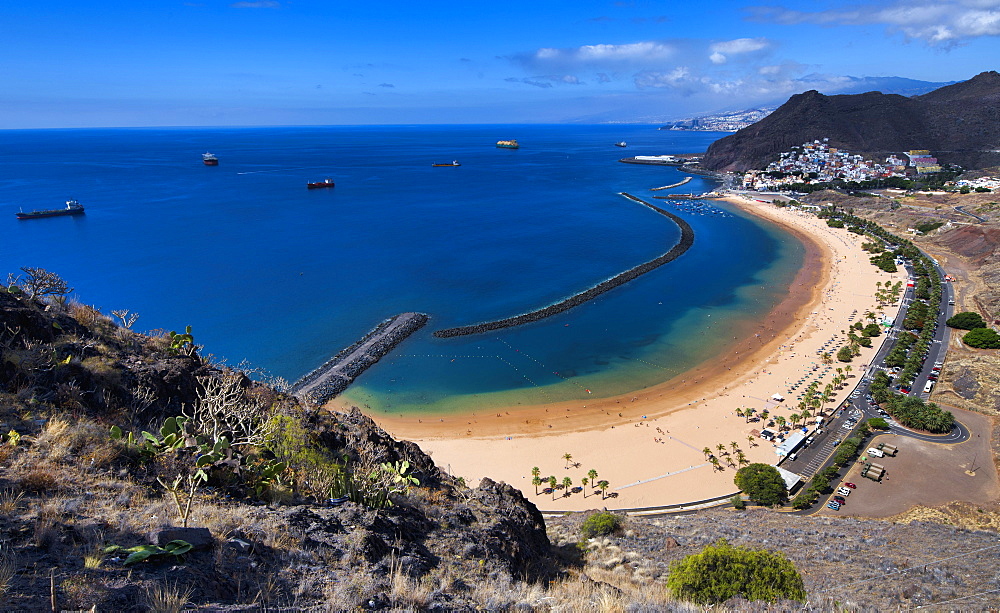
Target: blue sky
x=294, y=62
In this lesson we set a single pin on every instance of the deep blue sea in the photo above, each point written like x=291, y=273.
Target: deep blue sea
x=267, y=271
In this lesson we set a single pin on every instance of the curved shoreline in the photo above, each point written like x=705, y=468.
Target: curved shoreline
x=685, y=242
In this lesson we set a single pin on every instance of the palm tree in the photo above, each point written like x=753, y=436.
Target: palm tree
x=721, y=448
x=603, y=485
x=567, y=457
x=593, y=476
x=739, y=412
x=840, y=371
x=715, y=462
x=749, y=413
x=734, y=445
x=536, y=481
x=805, y=415
x=584, y=483
x=795, y=417
x=742, y=458
x=552, y=485
x=730, y=461
x=848, y=370
x=780, y=421
x=567, y=483
x=707, y=451
x=826, y=357
x=750, y=440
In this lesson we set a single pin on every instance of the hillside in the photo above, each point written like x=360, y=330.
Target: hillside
x=76, y=502
x=959, y=123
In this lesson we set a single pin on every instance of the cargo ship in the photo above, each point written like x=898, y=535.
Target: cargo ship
x=209, y=159
x=72, y=208
x=507, y=144
x=453, y=163
x=323, y=183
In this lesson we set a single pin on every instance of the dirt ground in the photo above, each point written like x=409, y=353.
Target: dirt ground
x=927, y=474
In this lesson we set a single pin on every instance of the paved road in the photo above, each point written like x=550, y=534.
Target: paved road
x=818, y=454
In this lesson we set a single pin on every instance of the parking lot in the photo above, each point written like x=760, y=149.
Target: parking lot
x=925, y=473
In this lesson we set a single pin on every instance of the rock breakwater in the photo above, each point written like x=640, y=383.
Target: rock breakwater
x=685, y=242
x=339, y=371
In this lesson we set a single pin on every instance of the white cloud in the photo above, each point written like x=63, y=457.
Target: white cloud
x=259, y=4
x=597, y=56
x=723, y=50
x=943, y=23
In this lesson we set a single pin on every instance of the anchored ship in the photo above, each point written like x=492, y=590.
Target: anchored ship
x=507, y=144
x=323, y=183
x=453, y=163
x=72, y=208
x=209, y=159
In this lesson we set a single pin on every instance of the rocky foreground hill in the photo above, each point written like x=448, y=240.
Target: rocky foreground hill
x=959, y=123
x=79, y=506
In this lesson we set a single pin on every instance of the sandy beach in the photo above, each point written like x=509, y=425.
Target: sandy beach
x=648, y=444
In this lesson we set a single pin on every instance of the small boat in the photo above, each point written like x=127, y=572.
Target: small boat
x=323, y=183
x=621, y=144
x=72, y=208
x=453, y=163
x=209, y=159
x=507, y=144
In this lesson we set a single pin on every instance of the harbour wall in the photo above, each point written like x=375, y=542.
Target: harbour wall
x=685, y=242
x=340, y=371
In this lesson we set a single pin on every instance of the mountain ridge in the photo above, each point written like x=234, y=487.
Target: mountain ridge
x=959, y=123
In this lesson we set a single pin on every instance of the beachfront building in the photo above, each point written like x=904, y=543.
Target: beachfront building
x=818, y=162
x=990, y=183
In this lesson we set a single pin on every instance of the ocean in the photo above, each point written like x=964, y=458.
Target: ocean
x=282, y=277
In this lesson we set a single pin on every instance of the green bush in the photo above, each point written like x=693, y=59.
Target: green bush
x=721, y=572
x=738, y=503
x=982, y=338
x=762, y=483
x=600, y=524
x=877, y=423
x=967, y=320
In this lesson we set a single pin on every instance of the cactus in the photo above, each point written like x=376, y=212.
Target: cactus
x=182, y=343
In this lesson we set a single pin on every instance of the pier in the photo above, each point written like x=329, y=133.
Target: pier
x=685, y=242
x=340, y=371
x=684, y=181
x=655, y=160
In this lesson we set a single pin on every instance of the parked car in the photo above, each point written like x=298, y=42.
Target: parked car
x=850, y=485
x=833, y=504
x=840, y=499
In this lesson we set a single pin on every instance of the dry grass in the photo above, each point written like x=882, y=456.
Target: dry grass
x=406, y=591
x=10, y=501
x=167, y=598
x=8, y=567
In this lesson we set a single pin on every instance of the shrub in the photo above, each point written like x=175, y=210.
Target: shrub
x=600, y=524
x=721, y=572
x=845, y=354
x=762, y=483
x=982, y=338
x=738, y=503
x=967, y=320
x=877, y=423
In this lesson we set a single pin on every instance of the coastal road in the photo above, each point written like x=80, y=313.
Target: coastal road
x=813, y=457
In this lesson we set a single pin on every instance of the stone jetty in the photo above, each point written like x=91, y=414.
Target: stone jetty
x=340, y=371
x=678, y=184
x=685, y=242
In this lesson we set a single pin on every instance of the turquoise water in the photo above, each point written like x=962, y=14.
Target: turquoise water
x=270, y=272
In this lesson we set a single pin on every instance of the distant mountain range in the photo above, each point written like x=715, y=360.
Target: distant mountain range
x=959, y=123
x=731, y=121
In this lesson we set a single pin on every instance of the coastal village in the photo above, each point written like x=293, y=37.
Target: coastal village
x=818, y=162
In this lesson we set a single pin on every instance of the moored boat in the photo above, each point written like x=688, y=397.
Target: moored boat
x=323, y=183
x=507, y=144
x=209, y=159
x=452, y=163
x=621, y=144
x=72, y=208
